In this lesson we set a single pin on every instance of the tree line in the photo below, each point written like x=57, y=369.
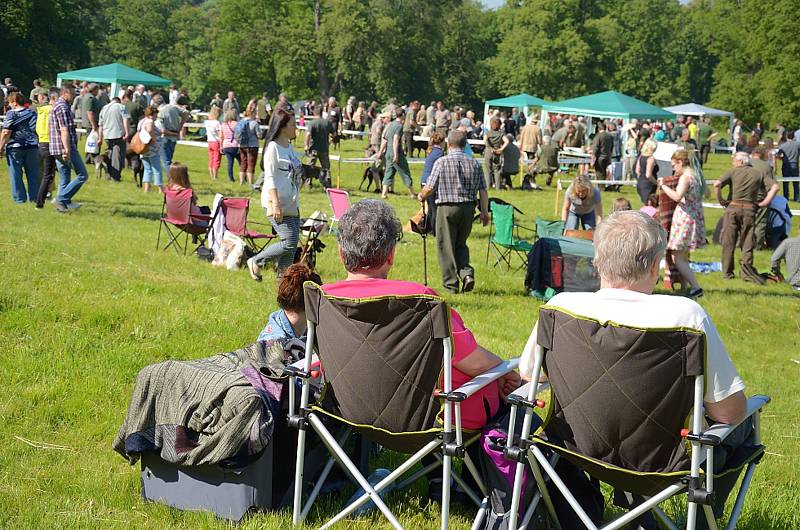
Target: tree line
x=739, y=55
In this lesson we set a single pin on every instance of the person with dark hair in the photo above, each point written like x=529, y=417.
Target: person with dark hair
x=178, y=180
x=20, y=143
x=230, y=147
x=457, y=182
x=789, y=152
x=496, y=143
x=396, y=161
x=64, y=147
x=280, y=195
x=317, y=143
x=172, y=118
x=289, y=322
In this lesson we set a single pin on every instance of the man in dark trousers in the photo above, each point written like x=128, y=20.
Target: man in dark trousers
x=317, y=143
x=603, y=149
x=457, y=180
x=746, y=183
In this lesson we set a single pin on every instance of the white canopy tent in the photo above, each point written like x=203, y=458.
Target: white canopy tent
x=695, y=109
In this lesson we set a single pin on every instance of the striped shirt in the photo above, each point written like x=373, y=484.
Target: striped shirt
x=456, y=178
x=61, y=116
x=789, y=249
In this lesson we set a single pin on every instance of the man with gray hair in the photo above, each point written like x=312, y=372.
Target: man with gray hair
x=457, y=180
x=746, y=184
x=368, y=234
x=629, y=246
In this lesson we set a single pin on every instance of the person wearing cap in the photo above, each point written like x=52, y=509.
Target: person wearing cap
x=392, y=148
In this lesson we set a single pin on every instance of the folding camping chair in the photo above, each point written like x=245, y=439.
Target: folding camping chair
x=504, y=236
x=545, y=228
x=381, y=359
x=176, y=212
x=340, y=203
x=235, y=210
x=606, y=416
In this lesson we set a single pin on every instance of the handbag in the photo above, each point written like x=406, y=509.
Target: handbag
x=140, y=142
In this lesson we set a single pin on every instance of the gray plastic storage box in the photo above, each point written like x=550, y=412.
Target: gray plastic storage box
x=229, y=494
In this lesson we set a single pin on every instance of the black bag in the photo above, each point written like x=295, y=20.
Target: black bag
x=205, y=254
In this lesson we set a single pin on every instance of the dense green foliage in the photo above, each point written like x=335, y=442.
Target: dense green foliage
x=736, y=54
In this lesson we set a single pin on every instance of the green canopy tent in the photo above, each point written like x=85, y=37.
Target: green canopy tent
x=116, y=74
x=520, y=101
x=609, y=104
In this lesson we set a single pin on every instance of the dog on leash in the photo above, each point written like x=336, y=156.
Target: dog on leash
x=310, y=173
x=101, y=162
x=417, y=146
x=134, y=161
x=372, y=176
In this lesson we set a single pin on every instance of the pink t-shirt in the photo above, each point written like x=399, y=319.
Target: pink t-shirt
x=649, y=210
x=473, y=409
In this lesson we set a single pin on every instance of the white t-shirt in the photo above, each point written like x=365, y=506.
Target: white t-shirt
x=635, y=309
x=212, y=130
x=281, y=168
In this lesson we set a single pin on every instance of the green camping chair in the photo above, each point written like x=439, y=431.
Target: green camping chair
x=545, y=228
x=637, y=429
x=504, y=237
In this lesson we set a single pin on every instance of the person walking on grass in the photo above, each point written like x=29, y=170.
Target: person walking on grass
x=457, y=181
x=688, y=229
x=20, y=143
x=230, y=147
x=113, y=128
x=151, y=158
x=64, y=147
x=280, y=195
x=47, y=162
x=212, y=126
x=247, y=132
x=392, y=148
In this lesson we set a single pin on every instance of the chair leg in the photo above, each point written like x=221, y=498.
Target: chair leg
x=352, y=469
x=446, y=465
x=158, y=240
x=298, y=477
x=737, y=507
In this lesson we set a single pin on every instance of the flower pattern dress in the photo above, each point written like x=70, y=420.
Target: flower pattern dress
x=688, y=231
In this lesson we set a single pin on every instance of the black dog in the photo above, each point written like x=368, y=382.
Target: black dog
x=134, y=162
x=313, y=172
x=417, y=146
x=372, y=175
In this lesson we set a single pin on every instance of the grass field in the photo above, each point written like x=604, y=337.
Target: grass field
x=87, y=301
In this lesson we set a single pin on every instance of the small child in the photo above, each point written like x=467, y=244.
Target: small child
x=651, y=208
x=622, y=204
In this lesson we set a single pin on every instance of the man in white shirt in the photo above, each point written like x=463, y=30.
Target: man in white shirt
x=629, y=246
x=113, y=128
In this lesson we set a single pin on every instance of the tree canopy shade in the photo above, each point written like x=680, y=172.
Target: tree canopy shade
x=694, y=109
x=609, y=104
x=114, y=73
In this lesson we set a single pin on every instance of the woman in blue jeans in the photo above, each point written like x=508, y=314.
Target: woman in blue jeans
x=151, y=159
x=280, y=195
x=20, y=143
x=582, y=204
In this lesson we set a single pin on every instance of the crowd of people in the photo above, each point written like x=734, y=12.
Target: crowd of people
x=40, y=136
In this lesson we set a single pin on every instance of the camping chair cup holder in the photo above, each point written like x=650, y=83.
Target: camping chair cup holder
x=356, y=337
x=541, y=455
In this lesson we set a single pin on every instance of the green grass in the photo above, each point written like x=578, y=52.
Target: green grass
x=87, y=301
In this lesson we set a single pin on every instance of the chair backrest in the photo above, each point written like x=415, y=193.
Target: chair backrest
x=382, y=357
x=545, y=228
x=178, y=206
x=340, y=202
x=235, y=210
x=620, y=395
x=503, y=222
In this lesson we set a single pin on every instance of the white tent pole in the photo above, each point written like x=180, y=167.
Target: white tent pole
x=486, y=116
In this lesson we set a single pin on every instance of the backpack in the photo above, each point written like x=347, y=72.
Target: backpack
x=243, y=134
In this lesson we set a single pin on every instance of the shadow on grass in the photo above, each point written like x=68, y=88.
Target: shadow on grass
x=752, y=293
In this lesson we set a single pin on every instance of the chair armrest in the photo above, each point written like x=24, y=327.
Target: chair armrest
x=489, y=376
x=722, y=430
x=302, y=362
x=201, y=216
x=525, y=228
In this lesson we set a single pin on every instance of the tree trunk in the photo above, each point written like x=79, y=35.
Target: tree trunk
x=321, y=69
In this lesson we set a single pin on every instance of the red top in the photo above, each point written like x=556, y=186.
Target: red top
x=473, y=411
